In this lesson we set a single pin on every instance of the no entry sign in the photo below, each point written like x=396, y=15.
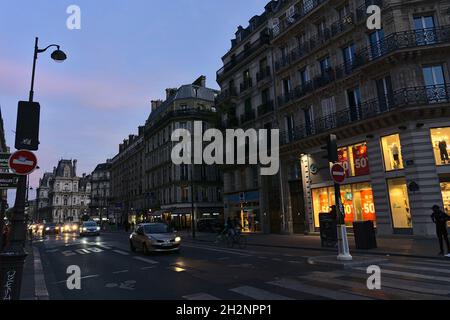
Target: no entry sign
x=338, y=173
x=22, y=162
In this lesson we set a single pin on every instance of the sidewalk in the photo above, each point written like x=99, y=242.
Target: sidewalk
x=393, y=245
x=27, y=291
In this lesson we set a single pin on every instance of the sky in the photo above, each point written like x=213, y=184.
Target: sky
x=126, y=54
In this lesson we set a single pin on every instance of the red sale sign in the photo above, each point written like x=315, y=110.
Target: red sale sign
x=361, y=160
x=344, y=160
x=368, y=207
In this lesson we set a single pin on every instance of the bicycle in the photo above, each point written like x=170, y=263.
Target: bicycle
x=230, y=240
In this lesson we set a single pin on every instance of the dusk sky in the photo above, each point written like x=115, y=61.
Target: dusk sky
x=124, y=56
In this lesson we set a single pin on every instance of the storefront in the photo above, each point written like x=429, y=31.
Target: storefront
x=440, y=138
x=245, y=207
x=356, y=198
x=399, y=205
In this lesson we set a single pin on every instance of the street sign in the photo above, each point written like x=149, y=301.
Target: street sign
x=22, y=162
x=338, y=173
x=8, y=181
x=4, y=158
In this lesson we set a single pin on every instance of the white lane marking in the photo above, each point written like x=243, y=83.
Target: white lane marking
x=410, y=274
x=121, y=252
x=258, y=294
x=146, y=260
x=40, y=288
x=200, y=296
x=82, y=251
x=316, y=291
x=122, y=271
x=387, y=287
x=101, y=246
x=411, y=267
x=82, y=278
x=148, y=268
x=218, y=250
x=434, y=264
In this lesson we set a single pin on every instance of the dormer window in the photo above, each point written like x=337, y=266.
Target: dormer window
x=290, y=14
x=275, y=26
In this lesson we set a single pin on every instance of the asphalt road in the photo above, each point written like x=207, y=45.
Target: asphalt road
x=205, y=271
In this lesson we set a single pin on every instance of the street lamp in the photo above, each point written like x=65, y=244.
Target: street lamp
x=12, y=260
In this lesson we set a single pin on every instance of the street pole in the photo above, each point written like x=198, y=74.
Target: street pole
x=192, y=201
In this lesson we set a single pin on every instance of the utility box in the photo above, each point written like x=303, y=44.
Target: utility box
x=328, y=230
x=365, y=237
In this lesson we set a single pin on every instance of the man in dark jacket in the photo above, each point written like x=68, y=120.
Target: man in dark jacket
x=440, y=219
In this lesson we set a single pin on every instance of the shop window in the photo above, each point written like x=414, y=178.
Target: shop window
x=392, y=152
x=356, y=198
x=440, y=139
x=399, y=202
x=354, y=159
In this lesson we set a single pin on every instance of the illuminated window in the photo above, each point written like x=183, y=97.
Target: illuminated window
x=399, y=201
x=440, y=139
x=392, y=152
x=354, y=159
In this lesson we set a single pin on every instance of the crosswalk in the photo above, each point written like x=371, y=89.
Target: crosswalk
x=412, y=279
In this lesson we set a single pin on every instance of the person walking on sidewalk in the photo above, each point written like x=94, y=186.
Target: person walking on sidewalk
x=440, y=219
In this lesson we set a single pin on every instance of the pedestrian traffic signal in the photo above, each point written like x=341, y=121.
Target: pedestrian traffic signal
x=331, y=148
x=27, y=126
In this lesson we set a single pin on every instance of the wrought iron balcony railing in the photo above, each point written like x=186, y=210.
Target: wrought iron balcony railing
x=406, y=97
x=263, y=74
x=247, y=84
x=227, y=94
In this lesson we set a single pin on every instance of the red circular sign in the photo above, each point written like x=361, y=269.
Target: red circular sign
x=338, y=173
x=22, y=162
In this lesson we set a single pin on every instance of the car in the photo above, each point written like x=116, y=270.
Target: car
x=89, y=228
x=69, y=228
x=50, y=228
x=154, y=237
x=210, y=225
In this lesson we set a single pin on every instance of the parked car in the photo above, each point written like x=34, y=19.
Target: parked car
x=210, y=225
x=154, y=237
x=89, y=228
x=50, y=228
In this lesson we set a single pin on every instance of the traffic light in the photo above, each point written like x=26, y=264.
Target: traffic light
x=331, y=148
x=27, y=126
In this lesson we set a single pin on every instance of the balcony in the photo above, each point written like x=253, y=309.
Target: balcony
x=241, y=57
x=247, y=84
x=227, y=94
x=406, y=97
x=249, y=115
x=265, y=108
x=263, y=73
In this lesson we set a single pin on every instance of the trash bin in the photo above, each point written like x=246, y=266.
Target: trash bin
x=328, y=230
x=364, y=232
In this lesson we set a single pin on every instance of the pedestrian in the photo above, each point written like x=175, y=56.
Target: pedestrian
x=440, y=218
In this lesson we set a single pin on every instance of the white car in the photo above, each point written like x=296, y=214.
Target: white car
x=154, y=237
x=89, y=228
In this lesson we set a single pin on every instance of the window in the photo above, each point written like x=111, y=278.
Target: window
x=265, y=96
x=309, y=120
x=356, y=198
x=322, y=29
x=399, y=202
x=344, y=11
x=349, y=56
x=385, y=93
x=286, y=86
x=354, y=159
x=435, y=83
x=425, y=32
x=290, y=13
x=440, y=139
x=304, y=77
x=392, y=152
x=377, y=46
x=325, y=65
x=184, y=194
x=354, y=103
x=290, y=126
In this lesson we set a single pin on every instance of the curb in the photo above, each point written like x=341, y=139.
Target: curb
x=379, y=253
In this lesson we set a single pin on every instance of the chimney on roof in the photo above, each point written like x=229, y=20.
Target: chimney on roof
x=141, y=130
x=170, y=92
x=201, y=82
x=75, y=168
x=156, y=104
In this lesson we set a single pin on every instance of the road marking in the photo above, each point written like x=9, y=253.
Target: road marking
x=122, y=271
x=82, y=278
x=68, y=253
x=82, y=251
x=40, y=288
x=317, y=291
x=148, y=268
x=121, y=252
x=146, y=260
x=100, y=245
x=200, y=296
x=445, y=265
x=410, y=274
x=218, y=250
x=258, y=294
x=418, y=268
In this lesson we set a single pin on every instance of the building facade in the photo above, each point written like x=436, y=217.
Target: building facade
x=101, y=206
x=384, y=93
x=62, y=195
x=172, y=190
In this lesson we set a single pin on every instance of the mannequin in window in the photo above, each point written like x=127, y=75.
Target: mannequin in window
x=395, y=155
x=443, y=150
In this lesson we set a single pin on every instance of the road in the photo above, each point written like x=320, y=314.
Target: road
x=205, y=271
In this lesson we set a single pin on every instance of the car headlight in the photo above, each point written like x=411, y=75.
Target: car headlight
x=178, y=239
x=98, y=228
x=47, y=229
x=84, y=229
